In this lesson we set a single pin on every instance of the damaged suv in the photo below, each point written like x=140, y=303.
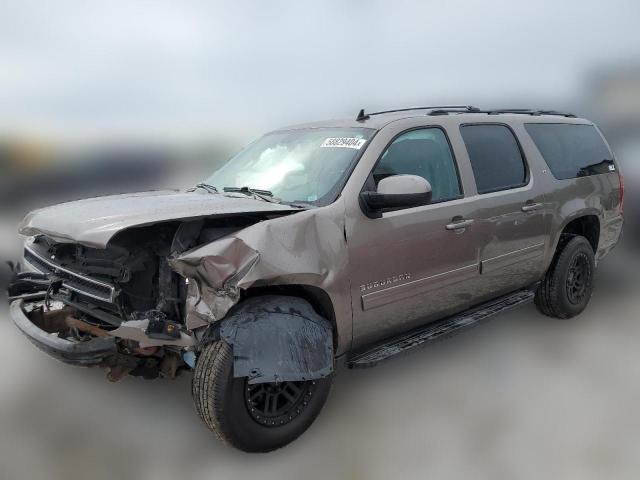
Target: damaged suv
x=337, y=242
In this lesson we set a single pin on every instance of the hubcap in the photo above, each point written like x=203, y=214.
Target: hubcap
x=578, y=278
x=275, y=404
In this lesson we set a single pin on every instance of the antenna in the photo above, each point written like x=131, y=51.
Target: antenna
x=362, y=116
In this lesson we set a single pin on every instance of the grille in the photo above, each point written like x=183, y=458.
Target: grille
x=73, y=281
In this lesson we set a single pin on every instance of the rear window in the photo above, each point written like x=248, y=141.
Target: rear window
x=571, y=150
x=495, y=157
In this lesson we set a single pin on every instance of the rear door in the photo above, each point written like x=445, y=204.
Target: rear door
x=510, y=209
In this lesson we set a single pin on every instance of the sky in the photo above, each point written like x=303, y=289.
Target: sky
x=185, y=69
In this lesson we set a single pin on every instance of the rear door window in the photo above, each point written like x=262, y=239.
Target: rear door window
x=571, y=150
x=495, y=157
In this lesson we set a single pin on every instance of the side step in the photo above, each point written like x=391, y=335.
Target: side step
x=437, y=330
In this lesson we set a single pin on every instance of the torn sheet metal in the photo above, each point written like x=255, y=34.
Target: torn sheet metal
x=301, y=249
x=213, y=287
x=278, y=341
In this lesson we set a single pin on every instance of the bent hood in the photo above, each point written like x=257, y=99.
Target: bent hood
x=93, y=222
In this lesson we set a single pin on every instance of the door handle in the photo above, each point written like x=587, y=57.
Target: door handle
x=458, y=224
x=531, y=207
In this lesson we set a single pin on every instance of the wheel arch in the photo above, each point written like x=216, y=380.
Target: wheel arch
x=316, y=296
x=585, y=223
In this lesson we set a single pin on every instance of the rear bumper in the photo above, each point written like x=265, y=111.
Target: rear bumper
x=91, y=352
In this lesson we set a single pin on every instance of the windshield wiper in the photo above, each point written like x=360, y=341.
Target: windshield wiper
x=204, y=186
x=265, y=195
x=594, y=167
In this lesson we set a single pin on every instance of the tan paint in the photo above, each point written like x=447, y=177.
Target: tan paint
x=337, y=248
x=307, y=248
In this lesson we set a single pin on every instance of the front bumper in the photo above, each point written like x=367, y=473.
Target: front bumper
x=86, y=353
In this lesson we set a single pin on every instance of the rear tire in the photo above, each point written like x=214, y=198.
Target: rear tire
x=252, y=417
x=567, y=286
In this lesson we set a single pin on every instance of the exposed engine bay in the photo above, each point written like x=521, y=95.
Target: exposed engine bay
x=127, y=291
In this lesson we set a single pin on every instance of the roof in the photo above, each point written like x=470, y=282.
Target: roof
x=378, y=120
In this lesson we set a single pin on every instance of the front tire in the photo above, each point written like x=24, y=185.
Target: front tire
x=567, y=286
x=252, y=417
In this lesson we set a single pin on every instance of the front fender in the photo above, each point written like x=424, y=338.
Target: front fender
x=277, y=339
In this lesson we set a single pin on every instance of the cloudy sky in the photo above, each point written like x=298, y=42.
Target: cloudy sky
x=188, y=68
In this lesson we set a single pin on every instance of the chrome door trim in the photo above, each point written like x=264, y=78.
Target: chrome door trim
x=506, y=259
x=418, y=286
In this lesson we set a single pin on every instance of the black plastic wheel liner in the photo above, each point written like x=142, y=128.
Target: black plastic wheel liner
x=278, y=339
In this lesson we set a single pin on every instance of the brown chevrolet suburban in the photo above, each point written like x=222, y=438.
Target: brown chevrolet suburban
x=347, y=241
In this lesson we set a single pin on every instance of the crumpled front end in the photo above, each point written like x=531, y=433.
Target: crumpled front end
x=148, y=300
x=215, y=280
x=307, y=249
x=132, y=348
x=118, y=307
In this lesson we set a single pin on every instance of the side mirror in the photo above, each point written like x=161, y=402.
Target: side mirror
x=398, y=191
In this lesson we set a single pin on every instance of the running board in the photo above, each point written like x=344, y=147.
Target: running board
x=437, y=330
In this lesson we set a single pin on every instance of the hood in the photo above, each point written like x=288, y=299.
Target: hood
x=93, y=222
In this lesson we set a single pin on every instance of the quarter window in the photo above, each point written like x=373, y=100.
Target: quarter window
x=571, y=150
x=426, y=153
x=495, y=157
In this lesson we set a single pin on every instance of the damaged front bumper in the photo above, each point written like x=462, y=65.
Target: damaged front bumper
x=145, y=347
x=42, y=331
x=131, y=349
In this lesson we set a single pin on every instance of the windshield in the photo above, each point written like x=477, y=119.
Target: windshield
x=307, y=165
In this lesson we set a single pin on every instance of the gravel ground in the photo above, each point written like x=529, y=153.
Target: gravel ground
x=522, y=397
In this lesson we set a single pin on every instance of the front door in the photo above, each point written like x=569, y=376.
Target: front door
x=412, y=265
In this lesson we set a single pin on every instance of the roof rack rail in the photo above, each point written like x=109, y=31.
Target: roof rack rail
x=518, y=111
x=527, y=111
x=464, y=108
x=446, y=109
x=555, y=112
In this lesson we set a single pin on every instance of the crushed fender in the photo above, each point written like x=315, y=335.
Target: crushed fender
x=299, y=249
